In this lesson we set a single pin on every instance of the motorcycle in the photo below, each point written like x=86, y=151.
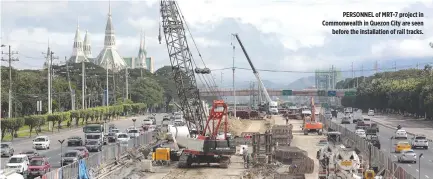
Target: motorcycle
x=246, y=162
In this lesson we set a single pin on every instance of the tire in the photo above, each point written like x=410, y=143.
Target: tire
x=414, y=161
x=48, y=147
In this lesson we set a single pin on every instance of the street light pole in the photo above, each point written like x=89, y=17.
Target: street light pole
x=1, y=112
x=419, y=165
x=61, y=153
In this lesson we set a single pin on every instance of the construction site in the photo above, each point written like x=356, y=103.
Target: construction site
x=206, y=139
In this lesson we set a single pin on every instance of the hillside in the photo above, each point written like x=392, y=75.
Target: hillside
x=302, y=83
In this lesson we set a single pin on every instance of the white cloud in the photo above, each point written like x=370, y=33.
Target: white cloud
x=143, y=23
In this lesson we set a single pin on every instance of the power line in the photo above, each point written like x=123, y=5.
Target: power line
x=294, y=71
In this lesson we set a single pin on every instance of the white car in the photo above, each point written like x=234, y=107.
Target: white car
x=41, y=142
x=122, y=137
x=115, y=131
x=133, y=133
x=20, y=163
x=130, y=128
x=407, y=156
x=420, y=141
x=147, y=122
x=400, y=134
x=370, y=112
x=360, y=133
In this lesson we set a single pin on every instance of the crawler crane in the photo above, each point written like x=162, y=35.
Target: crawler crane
x=206, y=147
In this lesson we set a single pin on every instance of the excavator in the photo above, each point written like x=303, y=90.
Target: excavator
x=310, y=123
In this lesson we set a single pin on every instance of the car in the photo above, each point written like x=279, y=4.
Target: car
x=374, y=126
x=355, y=120
x=115, y=131
x=130, y=128
x=83, y=150
x=38, y=166
x=360, y=133
x=19, y=163
x=370, y=112
x=345, y=120
x=166, y=117
x=6, y=149
x=407, y=156
x=111, y=126
x=322, y=142
x=70, y=156
x=374, y=139
x=94, y=146
x=147, y=122
x=361, y=125
x=420, y=141
x=75, y=141
x=133, y=133
x=401, y=146
x=30, y=153
x=122, y=138
x=400, y=134
x=111, y=137
x=41, y=142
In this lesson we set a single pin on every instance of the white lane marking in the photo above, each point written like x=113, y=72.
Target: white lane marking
x=395, y=156
x=417, y=170
x=426, y=176
x=409, y=165
x=430, y=161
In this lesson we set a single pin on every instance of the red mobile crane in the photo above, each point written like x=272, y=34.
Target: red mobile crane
x=206, y=148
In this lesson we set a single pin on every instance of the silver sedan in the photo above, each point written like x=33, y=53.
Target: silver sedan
x=407, y=156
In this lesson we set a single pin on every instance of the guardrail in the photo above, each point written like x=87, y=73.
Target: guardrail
x=96, y=161
x=381, y=159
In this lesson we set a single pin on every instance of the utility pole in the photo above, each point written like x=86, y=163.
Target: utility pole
x=362, y=73
x=395, y=66
x=10, y=60
x=234, y=90
x=221, y=80
x=353, y=76
x=127, y=83
x=83, y=85
x=70, y=86
x=50, y=79
x=375, y=67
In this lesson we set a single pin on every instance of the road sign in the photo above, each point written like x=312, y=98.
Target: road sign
x=332, y=93
x=321, y=93
x=349, y=93
x=287, y=92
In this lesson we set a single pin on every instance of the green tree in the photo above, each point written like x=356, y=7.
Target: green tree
x=147, y=91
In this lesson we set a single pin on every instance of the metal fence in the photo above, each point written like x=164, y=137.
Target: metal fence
x=383, y=160
x=96, y=161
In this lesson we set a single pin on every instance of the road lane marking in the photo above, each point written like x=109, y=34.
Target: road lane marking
x=426, y=176
x=409, y=165
x=417, y=170
x=395, y=156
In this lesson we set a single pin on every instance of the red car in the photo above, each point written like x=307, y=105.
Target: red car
x=84, y=151
x=38, y=166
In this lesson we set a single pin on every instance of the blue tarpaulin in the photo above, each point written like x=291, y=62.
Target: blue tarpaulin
x=82, y=170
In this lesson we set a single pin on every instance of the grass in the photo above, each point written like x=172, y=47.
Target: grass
x=25, y=130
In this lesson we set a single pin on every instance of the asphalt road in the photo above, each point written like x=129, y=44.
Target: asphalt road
x=54, y=152
x=387, y=145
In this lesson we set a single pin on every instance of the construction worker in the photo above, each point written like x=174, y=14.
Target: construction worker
x=287, y=120
x=245, y=154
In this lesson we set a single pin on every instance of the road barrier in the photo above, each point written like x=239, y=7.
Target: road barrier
x=96, y=161
x=381, y=159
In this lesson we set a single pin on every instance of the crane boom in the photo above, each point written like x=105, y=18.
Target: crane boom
x=180, y=59
x=256, y=73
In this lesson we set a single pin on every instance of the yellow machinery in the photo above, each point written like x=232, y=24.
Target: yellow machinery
x=369, y=174
x=161, y=156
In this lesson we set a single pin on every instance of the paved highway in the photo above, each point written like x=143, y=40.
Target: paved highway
x=385, y=135
x=54, y=152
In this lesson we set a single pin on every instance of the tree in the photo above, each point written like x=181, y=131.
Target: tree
x=148, y=91
x=164, y=76
x=404, y=91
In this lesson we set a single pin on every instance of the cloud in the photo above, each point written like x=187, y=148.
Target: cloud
x=277, y=35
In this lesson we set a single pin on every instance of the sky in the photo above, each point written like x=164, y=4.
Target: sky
x=279, y=35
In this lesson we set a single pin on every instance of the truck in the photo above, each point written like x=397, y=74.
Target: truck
x=10, y=174
x=95, y=131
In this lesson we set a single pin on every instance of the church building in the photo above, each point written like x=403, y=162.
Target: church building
x=109, y=57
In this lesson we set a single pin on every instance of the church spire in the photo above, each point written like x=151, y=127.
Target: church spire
x=87, y=46
x=110, y=39
x=77, y=49
x=141, y=59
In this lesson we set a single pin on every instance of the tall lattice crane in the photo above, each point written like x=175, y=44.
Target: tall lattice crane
x=181, y=63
